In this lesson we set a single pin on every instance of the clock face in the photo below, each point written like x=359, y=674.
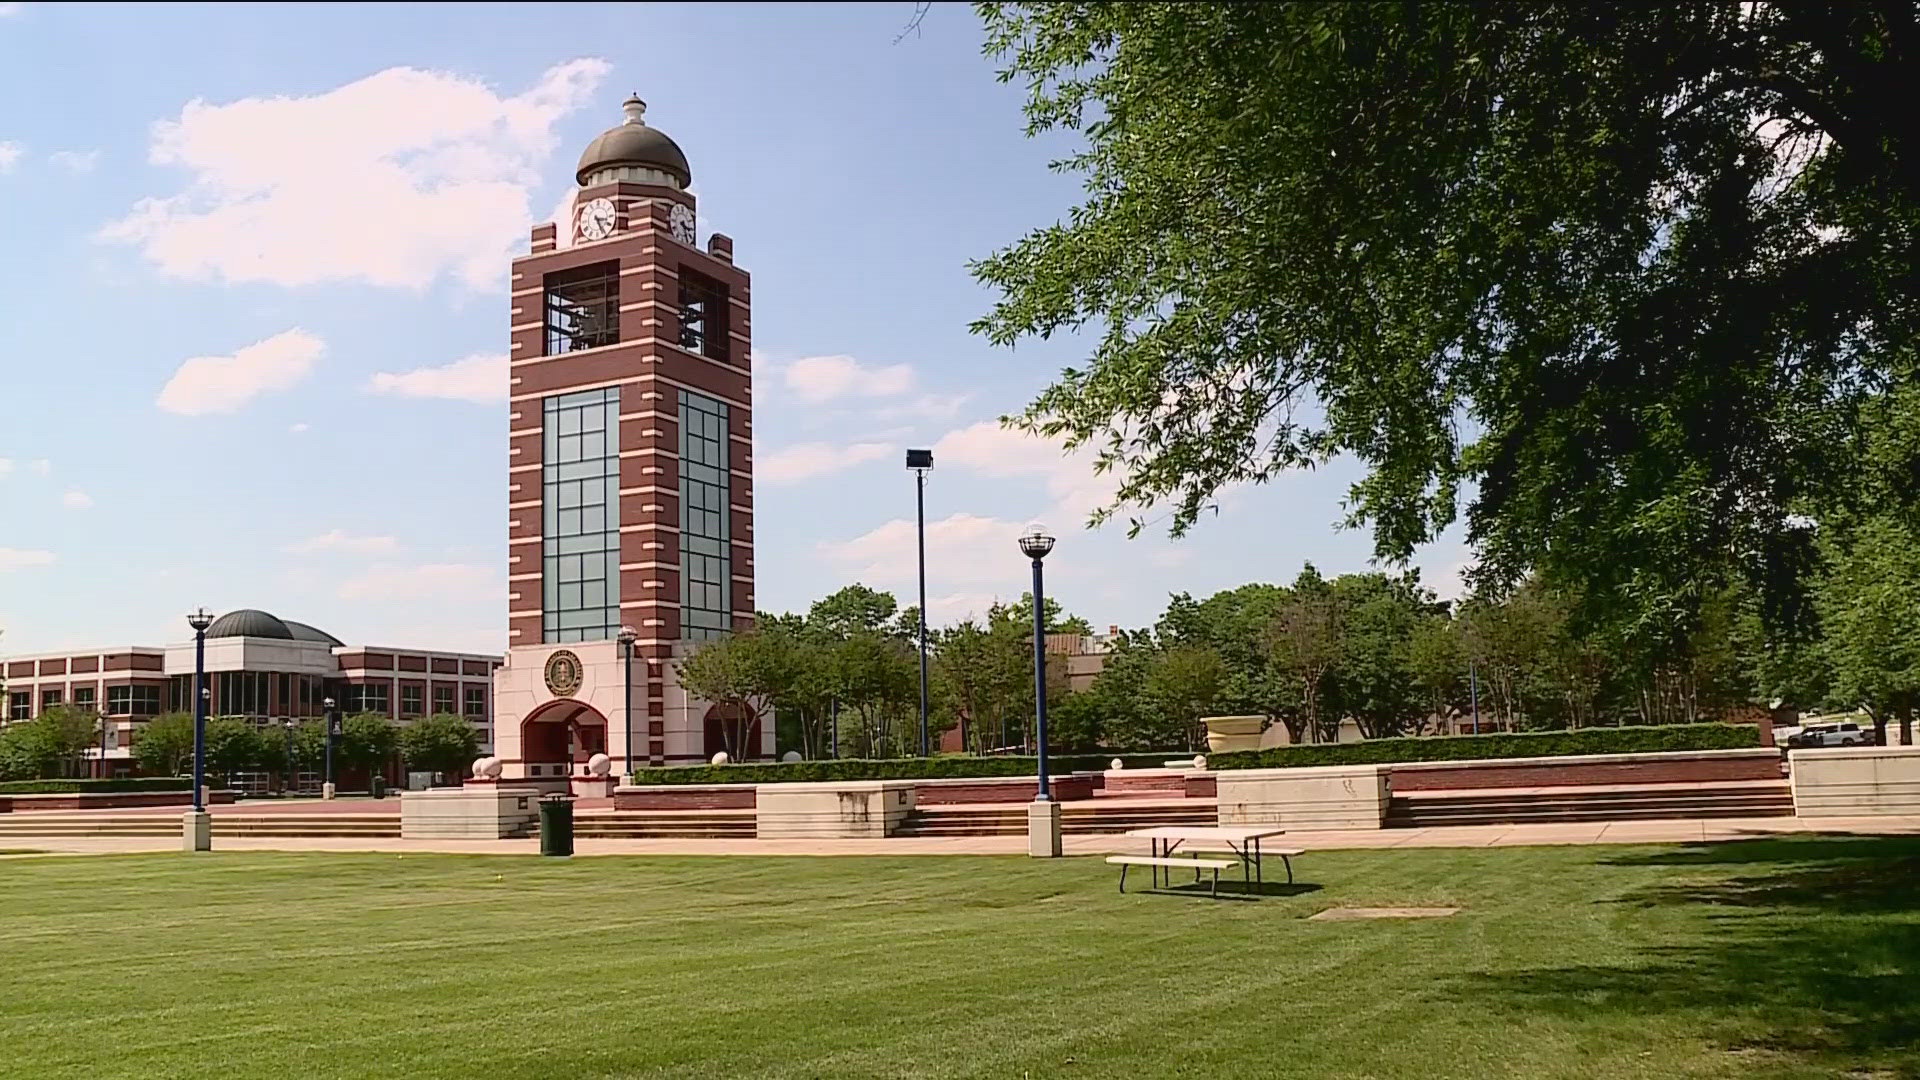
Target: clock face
x=682, y=221
x=596, y=219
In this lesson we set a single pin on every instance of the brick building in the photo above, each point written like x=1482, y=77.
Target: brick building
x=259, y=667
x=630, y=474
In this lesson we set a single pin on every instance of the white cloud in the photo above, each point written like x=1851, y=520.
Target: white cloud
x=395, y=180
x=17, y=559
x=298, y=428
x=804, y=461
x=342, y=541
x=9, y=10
x=968, y=549
x=218, y=384
x=463, y=581
x=76, y=500
x=41, y=466
x=6, y=466
x=989, y=449
x=10, y=155
x=820, y=379
x=75, y=161
x=481, y=379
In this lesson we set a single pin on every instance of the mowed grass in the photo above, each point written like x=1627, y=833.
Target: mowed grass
x=1791, y=958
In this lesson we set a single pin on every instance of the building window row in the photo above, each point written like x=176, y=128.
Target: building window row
x=703, y=315
x=706, y=557
x=580, y=498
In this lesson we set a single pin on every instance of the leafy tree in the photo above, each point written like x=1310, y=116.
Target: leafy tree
x=744, y=674
x=1658, y=258
x=442, y=743
x=1870, y=611
x=852, y=610
x=164, y=746
x=1375, y=671
x=49, y=744
x=367, y=741
x=1305, y=641
x=1183, y=686
x=1057, y=619
x=233, y=745
x=1437, y=662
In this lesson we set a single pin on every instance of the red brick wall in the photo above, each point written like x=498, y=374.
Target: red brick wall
x=1003, y=790
x=690, y=797
x=1684, y=770
x=1174, y=782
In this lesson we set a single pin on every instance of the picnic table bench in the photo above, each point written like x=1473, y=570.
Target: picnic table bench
x=1242, y=841
x=1197, y=865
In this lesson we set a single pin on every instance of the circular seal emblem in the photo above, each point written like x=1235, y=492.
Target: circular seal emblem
x=563, y=673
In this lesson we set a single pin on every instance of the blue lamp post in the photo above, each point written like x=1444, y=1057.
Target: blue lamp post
x=334, y=730
x=199, y=620
x=1035, y=544
x=921, y=462
x=628, y=635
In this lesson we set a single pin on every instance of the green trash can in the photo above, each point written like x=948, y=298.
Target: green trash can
x=378, y=788
x=556, y=825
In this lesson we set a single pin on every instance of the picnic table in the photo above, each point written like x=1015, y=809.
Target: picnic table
x=1243, y=841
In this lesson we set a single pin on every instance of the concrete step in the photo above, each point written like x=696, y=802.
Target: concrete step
x=281, y=825
x=1079, y=819
x=646, y=824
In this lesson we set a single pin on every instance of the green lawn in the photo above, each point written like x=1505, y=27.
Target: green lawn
x=1792, y=958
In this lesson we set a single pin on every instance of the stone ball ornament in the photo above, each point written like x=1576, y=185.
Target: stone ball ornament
x=790, y=756
x=1200, y=761
x=487, y=768
x=1116, y=765
x=721, y=758
x=599, y=765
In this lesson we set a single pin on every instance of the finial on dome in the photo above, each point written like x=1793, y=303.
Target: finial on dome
x=635, y=109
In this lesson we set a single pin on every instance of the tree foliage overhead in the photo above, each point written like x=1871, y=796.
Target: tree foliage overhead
x=1626, y=273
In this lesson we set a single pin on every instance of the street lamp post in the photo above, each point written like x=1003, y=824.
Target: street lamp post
x=199, y=825
x=628, y=635
x=1043, y=817
x=103, y=746
x=921, y=463
x=333, y=732
x=292, y=773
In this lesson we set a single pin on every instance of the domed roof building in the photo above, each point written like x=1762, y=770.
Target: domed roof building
x=634, y=152
x=249, y=622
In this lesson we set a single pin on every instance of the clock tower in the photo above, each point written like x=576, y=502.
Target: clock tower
x=630, y=471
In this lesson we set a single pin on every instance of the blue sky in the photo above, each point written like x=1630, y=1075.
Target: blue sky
x=255, y=309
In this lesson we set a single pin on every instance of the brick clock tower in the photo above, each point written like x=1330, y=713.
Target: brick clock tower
x=630, y=472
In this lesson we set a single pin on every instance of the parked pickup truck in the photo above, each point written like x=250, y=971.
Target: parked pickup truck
x=1843, y=734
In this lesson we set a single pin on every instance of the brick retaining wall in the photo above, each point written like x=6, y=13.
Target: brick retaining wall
x=1684, y=767
x=105, y=800
x=685, y=797
x=1000, y=789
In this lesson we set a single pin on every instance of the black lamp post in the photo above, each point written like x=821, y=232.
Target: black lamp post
x=103, y=746
x=200, y=620
x=1034, y=544
x=628, y=635
x=921, y=462
x=333, y=732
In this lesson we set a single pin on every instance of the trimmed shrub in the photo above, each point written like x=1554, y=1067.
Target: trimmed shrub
x=934, y=768
x=70, y=787
x=1624, y=740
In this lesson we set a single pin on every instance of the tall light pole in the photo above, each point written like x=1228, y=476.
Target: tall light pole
x=628, y=635
x=921, y=462
x=1043, y=817
x=1034, y=544
x=288, y=723
x=199, y=825
x=333, y=732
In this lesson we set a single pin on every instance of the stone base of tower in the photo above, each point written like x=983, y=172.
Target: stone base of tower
x=555, y=706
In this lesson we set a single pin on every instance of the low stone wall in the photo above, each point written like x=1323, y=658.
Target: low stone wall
x=1855, y=781
x=833, y=810
x=1000, y=789
x=1202, y=785
x=1304, y=799
x=107, y=800
x=685, y=797
x=472, y=812
x=1678, y=767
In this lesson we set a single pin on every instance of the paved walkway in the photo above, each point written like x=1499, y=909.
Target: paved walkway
x=1624, y=832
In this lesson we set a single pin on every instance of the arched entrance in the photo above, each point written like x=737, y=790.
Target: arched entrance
x=557, y=738
x=731, y=728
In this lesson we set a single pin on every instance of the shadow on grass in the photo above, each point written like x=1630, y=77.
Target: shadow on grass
x=1810, y=953
x=1232, y=890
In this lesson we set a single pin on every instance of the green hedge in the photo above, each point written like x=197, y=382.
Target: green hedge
x=934, y=768
x=69, y=787
x=1623, y=740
